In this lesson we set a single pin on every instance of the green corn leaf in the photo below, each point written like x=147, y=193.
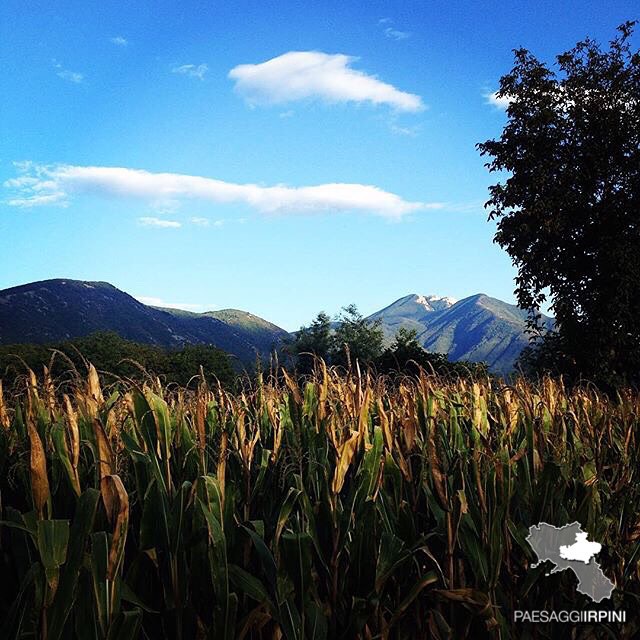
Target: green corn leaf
x=316, y=625
x=297, y=561
x=428, y=578
x=285, y=512
x=391, y=555
x=15, y=619
x=58, y=436
x=85, y=612
x=52, y=537
x=127, y=595
x=101, y=587
x=266, y=559
x=126, y=626
x=248, y=584
x=78, y=537
x=370, y=468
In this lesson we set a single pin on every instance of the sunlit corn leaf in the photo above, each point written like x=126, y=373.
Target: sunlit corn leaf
x=38, y=465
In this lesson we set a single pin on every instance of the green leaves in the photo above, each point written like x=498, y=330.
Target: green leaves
x=248, y=584
x=391, y=556
x=58, y=436
x=52, y=537
x=65, y=596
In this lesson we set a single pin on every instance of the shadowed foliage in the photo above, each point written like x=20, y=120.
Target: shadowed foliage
x=119, y=358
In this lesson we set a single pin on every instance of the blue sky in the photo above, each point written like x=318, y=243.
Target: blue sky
x=149, y=145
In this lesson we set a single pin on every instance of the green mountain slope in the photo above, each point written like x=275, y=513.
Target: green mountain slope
x=55, y=310
x=262, y=334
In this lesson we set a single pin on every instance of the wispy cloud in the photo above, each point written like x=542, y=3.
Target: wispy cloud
x=411, y=132
x=300, y=75
x=205, y=222
x=150, y=221
x=66, y=74
x=192, y=70
x=119, y=41
x=35, y=200
x=165, y=206
x=500, y=102
x=33, y=188
x=154, y=301
x=391, y=32
x=63, y=182
x=476, y=206
x=71, y=76
x=395, y=34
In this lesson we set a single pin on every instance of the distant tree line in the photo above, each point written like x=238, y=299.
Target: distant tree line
x=344, y=341
x=351, y=338
x=118, y=357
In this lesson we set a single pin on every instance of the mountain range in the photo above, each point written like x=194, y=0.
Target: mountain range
x=477, y=328
x=56, y=310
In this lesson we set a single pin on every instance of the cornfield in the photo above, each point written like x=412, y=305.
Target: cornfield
x=343, y=505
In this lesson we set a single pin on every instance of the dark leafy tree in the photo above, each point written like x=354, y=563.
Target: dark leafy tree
x=348, y=338
x=107, y=351
x=407, y=356
x=356, y=338
x=183, y=364
x=314, y=341
x=351, y=338
x=568, y=208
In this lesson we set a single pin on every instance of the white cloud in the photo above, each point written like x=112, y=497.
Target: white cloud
x=192, y=70
x=153, y=301
x=71, y=76
x=150, y=221
x=201, y=222
x=33, y=188
x=56, y=198
x=21, y=182
x=476, y=206
x=65, y=74
x=405, y=131
x=299, y=75
x=500, y=102
x=165, y=206
x=394, y=34
x=65, y=181
x=119, y=41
